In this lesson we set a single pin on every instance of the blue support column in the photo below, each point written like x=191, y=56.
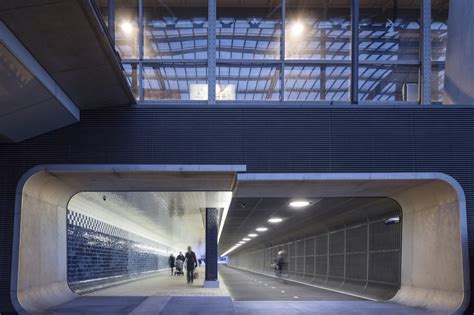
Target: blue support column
x=212, y=230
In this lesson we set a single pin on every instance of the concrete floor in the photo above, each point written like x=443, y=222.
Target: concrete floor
x=241, y=293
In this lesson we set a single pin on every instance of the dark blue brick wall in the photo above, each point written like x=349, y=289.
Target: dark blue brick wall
x=95, y=255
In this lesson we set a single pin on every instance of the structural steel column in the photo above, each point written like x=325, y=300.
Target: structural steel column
x=355, y=52
x=141, y=41
x=282, y=50
x=212, y=230
x=425, y=53
x=211, y=51
x=111, y=20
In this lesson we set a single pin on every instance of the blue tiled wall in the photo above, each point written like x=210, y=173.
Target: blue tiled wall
x=100, y=252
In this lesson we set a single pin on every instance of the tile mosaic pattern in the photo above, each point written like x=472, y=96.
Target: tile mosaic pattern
x=98, y=251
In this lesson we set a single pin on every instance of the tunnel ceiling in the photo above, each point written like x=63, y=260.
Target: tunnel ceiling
x=173, y=218
x=322, y=215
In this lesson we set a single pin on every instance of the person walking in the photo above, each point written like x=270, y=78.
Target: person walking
x=191, y=264
x=171, y=261
x=280, y=264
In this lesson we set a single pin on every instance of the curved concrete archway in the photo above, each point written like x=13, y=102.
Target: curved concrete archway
x=434, y=222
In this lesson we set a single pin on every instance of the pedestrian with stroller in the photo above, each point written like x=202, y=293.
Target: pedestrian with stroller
x=180, y=256
x=191, y=264
x=171, y=261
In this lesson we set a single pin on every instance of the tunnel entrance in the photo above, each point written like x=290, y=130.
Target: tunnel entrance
x=350, y=245
x=114, y=237
x=425, y=254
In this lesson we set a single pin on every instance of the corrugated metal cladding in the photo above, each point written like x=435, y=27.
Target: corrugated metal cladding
x=266, y=140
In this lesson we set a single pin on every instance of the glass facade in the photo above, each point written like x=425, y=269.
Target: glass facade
x=281, y=51
x=439, y=35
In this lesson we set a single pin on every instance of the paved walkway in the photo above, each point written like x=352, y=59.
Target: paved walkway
x=163, y=285
x=252, y=293
x=249, y=286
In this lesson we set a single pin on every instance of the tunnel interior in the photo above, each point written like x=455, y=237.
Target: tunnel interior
x=115, y=237
x=341, y=243
x=345, y=243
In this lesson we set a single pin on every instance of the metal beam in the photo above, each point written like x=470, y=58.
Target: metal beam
x=111, y=19
x=282, y=50
x=355, y=52
x=211, y=53
x=425, y=53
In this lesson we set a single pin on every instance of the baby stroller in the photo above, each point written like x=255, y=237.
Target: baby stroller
x=179, y=267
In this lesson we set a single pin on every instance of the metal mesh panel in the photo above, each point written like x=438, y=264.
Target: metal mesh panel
x=309, y=247
x=356, y=239
x=292, y=251
x=321, y=265
x=309, y=265
x=384, y=267
x=322, y=244
x=383, y=236
x=291, y=265
x=336, y=242
x=299, y=265
x=336, y=265
x=356, y=266
x=300, y=248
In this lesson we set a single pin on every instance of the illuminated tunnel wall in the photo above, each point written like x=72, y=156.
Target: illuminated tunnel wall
x=362, y=258
x=100, y=254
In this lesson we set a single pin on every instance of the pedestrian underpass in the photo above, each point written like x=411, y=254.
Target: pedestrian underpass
x=367, y=257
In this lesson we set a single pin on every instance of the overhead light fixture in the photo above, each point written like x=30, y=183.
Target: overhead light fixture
x=126, y=27
x=261, y=229
x=394, y=220
x=299, y=203
x=242, y=242
x=230, y=250
x=253, y=235
x=297, y=28
x=246, y=239
x=275, y=220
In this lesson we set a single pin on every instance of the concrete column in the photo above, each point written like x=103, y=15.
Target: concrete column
x=212, y=229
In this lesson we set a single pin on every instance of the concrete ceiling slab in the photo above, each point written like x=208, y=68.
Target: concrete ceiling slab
x=336, y=199
x=323, y=215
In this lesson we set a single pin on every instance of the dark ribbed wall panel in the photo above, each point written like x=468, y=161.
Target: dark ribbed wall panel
x=266, y=140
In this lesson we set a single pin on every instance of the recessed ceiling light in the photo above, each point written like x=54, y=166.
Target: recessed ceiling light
x=246, y=239
x=261, y=229
x=299, y=203
x=253, y=235
x=242, y=242
x=275, y=220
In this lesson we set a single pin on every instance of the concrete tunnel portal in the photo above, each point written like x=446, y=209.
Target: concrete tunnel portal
x=431, y=208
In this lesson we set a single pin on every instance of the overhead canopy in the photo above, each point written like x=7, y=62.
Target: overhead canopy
x=55, y=59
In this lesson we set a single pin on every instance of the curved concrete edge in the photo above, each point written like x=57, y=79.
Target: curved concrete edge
x=435, y=298
x=243, y=177
x=46, y=243
x=56, y=293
